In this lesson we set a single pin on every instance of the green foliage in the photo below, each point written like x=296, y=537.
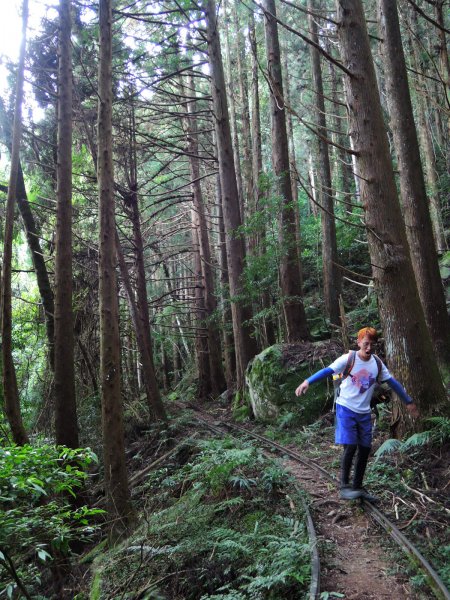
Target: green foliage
x=437, y=435
x=388, y=447
x=218, y=527
x=36, y=518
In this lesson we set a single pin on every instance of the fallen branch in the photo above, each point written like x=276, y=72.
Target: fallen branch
x=424, y=496
x=139, y=476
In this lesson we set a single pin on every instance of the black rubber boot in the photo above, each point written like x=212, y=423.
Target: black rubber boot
x=346, y=491
x=346, y=463
x=360, y=466
x=360, y=469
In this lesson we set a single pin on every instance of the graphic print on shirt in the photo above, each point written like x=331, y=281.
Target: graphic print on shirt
x=363, y=379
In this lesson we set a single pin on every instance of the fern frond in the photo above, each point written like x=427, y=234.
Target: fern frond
x=242, y=482
x=440, y=428
x=229, y=503
x=388, y=447
x=418, y=439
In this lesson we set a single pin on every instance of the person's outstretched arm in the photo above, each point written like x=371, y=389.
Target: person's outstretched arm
x=318, y=376
x=397, y=387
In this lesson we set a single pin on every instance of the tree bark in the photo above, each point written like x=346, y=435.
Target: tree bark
x=343, y=160
x=116, y=481
x=331, y=273
x=408, y=344
x=292, y=158
x=231, y=96
x=204, y=387
x=66, y=427
x=144, y=344
x=34, y=245
x=294, y=310
x=443, y=59
x=10, y=389
x=257, y=164
x=257, y=239
x=431, y=172
x=412, y=184
x=245, y=345
x=214, y=351
x=156, y=405
x=244, y=112
x=227, y=318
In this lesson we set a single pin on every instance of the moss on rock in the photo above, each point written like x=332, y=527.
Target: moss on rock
x=274, y=374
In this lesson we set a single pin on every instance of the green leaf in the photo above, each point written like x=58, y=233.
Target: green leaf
x=39, y=488
x=43, y=554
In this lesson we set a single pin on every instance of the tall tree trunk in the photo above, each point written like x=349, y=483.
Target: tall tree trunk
x=257, y=240
x=116, y=481
x=244, y=111
x=292, y=157
x=291, y=288
x=245, y=345
x=154, y=397
x=408, y=343
x=154, y=403
x=227, y=318
x=39, y=264
x=230, y=86
x=444, y=61
x=142, y=314
x=431, y=172
x=34, y=245
x=331, y=274
x=412, y=185
x=174, y=296
x=204, y=387
x=10, y=389
x=257, y=164
x=312, y=183
x=344, y=169
x=217, y=383
x=66, y=427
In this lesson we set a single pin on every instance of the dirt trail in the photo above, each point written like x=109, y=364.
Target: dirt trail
x=352, y=561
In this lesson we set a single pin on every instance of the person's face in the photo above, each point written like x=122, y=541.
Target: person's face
x=366, y=346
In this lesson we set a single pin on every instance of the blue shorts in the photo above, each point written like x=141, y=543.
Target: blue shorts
x=352, y=427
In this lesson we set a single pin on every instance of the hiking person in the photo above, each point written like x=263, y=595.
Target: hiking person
x=360, y=372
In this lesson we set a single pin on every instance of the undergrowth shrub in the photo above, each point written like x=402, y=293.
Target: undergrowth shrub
x=36, y=517
x=437, y=433
x=417, y=469
x=225, y=529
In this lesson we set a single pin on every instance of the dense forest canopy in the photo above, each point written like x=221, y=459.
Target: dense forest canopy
x=185, y=184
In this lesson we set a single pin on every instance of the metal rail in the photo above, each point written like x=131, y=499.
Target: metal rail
x=434, y=581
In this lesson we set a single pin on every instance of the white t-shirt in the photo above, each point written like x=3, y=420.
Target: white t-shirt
x=357, y=388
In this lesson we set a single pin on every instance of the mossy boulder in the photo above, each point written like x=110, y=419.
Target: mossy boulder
x=274, y=374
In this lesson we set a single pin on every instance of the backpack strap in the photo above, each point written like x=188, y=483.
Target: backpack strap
x=350, y=362
x=339, y=378
x=379, y=366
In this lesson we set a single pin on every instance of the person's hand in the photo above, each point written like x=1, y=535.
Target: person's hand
x=413, y=410
x=302, y=388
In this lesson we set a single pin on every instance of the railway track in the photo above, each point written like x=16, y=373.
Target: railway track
x=435, y=583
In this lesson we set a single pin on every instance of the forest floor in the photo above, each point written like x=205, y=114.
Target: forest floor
x=358, y=562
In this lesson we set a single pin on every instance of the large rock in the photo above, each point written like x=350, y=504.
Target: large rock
x=273, y=376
